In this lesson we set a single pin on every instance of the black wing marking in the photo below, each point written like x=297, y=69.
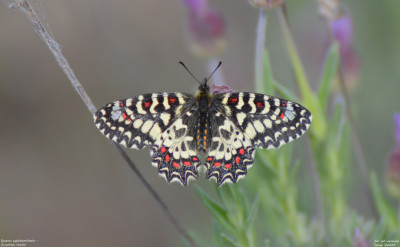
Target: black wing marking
x=137, y=122
x=268, y=121
x=174, y=151
x=231, y=151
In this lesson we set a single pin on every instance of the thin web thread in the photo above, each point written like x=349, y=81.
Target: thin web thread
x=54, y=47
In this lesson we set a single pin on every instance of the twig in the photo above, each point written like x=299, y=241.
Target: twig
x=54, y=47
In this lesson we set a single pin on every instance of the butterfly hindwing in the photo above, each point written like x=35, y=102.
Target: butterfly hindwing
x=137, y=122
x=174, y=151
x=230, y=153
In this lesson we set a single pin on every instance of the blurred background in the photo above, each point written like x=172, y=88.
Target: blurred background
x=63, y=184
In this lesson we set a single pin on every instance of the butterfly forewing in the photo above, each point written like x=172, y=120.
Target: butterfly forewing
x=137, y=122
x=269, y=122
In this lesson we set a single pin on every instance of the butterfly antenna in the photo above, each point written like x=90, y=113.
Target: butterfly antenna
x=183, y=65
x=219, y=64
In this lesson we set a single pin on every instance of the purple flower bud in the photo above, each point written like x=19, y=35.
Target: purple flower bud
x=397, y=128
x=393, y=174
x=220, y=89
x=359, y=239
x=342, y=31
x=266, y=4
x=206, y=28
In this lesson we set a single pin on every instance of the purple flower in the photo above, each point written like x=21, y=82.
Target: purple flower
x=359, y=239
x=342, y=31
x=397, y=128
x=206, y=28
x=393, y=167
x=393, y=174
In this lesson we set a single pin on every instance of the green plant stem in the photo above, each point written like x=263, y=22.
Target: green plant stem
x=310, y=100
x=259, y=51
x=358, y=150
x=318, y=204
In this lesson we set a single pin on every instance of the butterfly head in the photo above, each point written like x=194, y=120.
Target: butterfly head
x=204, y=85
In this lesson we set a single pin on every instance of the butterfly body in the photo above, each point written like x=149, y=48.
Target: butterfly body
x=217, y=130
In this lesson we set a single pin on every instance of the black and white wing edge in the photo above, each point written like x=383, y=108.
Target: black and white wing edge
x=243, y=121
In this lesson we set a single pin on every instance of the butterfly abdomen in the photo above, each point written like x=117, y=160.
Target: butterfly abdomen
x=203, y=98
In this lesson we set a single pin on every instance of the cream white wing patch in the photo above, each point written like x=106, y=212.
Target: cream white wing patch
x=269, y=122
x=137, y=122
x=231, y=152
x=174, y=152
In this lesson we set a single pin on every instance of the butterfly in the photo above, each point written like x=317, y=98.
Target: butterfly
x=218, y=130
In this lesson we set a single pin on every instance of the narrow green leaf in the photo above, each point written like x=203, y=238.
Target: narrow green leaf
x=284, y=92
x=330, y=72
x=253, y=211
x=268, y=77
x=219, y=213
x=294, y=171
x=229, y=241
x=333, y=133
x=382, y=204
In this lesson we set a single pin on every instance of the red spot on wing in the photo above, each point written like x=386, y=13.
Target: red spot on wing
x=176, y=164
x=195, y=158
x=209, y=159
x=227, y=166
x=124, y=115
x=217, y=164
x=167, y=158
x=260, y=104
x=121, y=104
x=232, y=100
x=147, y=104
x=163, y=150
x=186, y=163
x=237, y=159
x=241, y=151
x=282, y=115
x=172, y=100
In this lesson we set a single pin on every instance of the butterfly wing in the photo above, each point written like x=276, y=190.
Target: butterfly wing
x=157, y=120
x=231, y=151
x=268, y=121
x=174, y=151
x=243, y=121
x=137, y=122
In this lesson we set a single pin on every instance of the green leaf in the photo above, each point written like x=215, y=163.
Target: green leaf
x=330, y=72
x=334, y=126
x=219, y=213
x=268, y=78
x=284, y=92
x=228, y=241
x=253, y=212
x=382, y=204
